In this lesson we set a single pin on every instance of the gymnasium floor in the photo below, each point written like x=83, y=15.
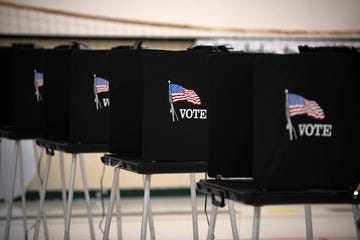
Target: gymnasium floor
x=172, y=220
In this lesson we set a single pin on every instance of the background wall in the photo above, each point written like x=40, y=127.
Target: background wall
x=251, y=25
x=161, y=18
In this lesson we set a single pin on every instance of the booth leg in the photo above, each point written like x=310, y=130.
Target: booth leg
x=42, y=197
x=11, y=193
x=308, y=218
x=356, y=213
x=256, y=223
x=87, y=196
x=114, y=188
x=233, y=220
x=70, y=197
x=211, y=230
x=194, y=206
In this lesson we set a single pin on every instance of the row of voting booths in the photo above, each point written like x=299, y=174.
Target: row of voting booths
x=265, y=128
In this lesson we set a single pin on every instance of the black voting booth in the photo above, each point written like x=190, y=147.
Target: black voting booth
x=143, y=106
x=77, y=109
x=28, y=105
x=316, y=148
x=149, y=133
x=21, y=107
x=302, y=156
x=175, y=121
x=23, y=110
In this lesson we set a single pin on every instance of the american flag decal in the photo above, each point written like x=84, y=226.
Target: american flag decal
x=102, y=85
x=179, y=93
x=39, y=79
x=38, y=82
x=299, y=105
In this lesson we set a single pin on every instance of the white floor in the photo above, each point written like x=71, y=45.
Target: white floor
x=172, y=220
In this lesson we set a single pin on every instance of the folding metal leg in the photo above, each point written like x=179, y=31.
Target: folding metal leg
x=70, y=197
x=308, y=218
x=22, y=188
x=118, y=214
x=233, y=220
x=214, y=211
x=147, y=213
x=256, y=223
x=63, y=183
x=0, y=149
x=41, y=215
x=11, y=193
x=211, y=230
x=37, y=162
x=356, y=213
x=18, y=157
x=87, y=196
x=114, y=188
x=194, y=206
x=151, y=221
x=42, y=197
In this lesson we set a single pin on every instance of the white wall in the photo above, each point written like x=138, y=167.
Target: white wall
x=289, y=15
x=283, y=14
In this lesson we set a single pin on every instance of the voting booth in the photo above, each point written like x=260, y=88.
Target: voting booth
x=77, y=89
x=22, y=103
x=302, y=140
x=159, y=104
x=28, y=102
x=315, y=148
x=21, y=119
x=175, y=106
x=159, y=122
x=76, y=116
x=304, y=121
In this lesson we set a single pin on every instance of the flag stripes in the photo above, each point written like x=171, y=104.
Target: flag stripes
x=179, y=93
x=102, y=85
x=299, y=105
x=39, y=79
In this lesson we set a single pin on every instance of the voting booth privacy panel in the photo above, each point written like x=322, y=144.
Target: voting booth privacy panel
x=28, y=96
x=22, y=105
x=159, y=104
x=305, y=126
x=286, y=121
x=125, y=74
x=231, y=114
x=77, y=96
x=175, y=106
x=6, y=86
